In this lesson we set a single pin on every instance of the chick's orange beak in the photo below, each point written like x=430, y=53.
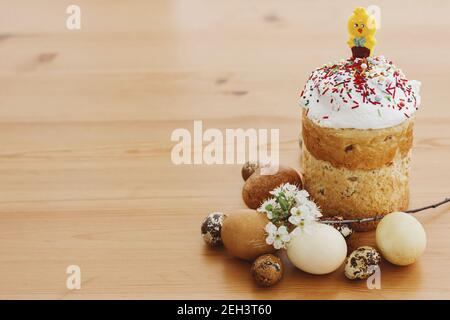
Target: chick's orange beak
x=359, y=30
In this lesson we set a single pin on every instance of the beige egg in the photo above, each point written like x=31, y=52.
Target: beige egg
x=320, y=250
x=244, y=236
x=400, y=238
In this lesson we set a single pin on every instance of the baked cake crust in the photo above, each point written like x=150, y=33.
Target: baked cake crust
x=356, y=148
x=357, y=193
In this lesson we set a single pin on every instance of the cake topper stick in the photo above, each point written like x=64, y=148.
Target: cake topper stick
x=361, y=28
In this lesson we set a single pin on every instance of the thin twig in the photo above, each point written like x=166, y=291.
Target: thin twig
x=429, y=207
x=378, y=217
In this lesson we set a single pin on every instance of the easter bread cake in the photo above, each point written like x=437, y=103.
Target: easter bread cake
x=357, y=131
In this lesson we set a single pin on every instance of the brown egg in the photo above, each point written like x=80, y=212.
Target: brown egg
x=257, y=187
x=244, y=236
x=248, y=169
x=267, y=270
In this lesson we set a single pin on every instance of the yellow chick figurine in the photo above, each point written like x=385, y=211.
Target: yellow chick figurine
x=361, y=28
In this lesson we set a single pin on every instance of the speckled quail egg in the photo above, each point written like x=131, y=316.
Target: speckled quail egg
x=267, y=270
x=211, y=229
x=361, y=263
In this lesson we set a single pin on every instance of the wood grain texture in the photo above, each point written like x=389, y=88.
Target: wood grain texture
x=85, y=123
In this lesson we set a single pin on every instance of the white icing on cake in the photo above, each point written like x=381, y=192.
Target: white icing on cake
x=357, y=93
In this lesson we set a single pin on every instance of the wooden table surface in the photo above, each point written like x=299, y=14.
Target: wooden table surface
x=86, y=116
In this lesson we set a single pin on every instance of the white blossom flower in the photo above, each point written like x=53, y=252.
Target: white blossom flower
x=290, y=187
x=301, y=197
x=263, y=207
x=306, y=228
x=312, y=207
x=268, y=211
x=304, y=215
x=290, y=190
x=278, y=237
x=271, y=228
x=276, y=192
x=288, y=205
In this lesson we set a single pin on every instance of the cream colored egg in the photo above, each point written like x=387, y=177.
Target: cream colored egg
x=400, y=238
x=320, y=250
